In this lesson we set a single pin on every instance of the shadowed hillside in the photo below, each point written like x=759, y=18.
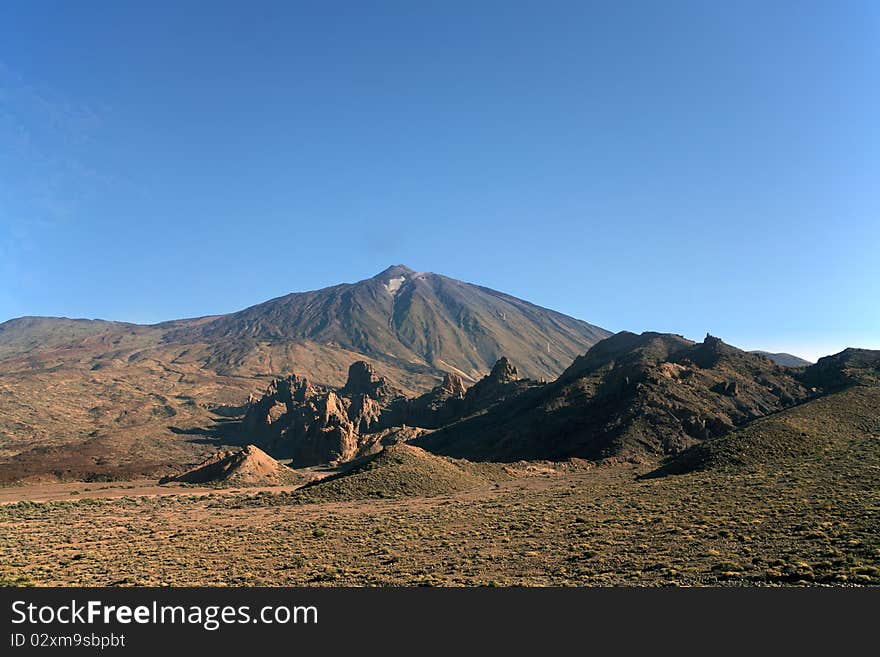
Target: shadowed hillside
x=849, y=367
x=629, y=396
x=844, y=423
x=811, y=435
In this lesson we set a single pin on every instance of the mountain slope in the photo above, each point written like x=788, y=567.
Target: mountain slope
x=25, y=334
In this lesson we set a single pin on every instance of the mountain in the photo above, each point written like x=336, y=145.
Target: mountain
x=788, y=360
x=94, y=399
x=630, y=396
x=407, y=319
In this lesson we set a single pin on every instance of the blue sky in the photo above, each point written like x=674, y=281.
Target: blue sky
x=676, y=166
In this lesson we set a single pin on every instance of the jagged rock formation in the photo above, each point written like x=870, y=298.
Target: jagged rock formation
x=315, y=424
x=452, y=387
x=629, y=396
x=362, y=381
x=502, y=382
x=451, y=401
x=437, y=407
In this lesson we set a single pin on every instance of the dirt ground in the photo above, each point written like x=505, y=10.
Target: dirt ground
x=54, y=492
x=599, y=526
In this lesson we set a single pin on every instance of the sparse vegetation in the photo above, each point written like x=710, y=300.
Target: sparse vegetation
x=524, y=524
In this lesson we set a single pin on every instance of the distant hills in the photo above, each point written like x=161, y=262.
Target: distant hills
x=788, y=360
x=27, y=334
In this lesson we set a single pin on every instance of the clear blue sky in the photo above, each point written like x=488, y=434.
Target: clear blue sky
x=675, y=166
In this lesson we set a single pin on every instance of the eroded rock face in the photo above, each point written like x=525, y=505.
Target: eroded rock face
x=315, y=425
x=265, y=416
x=452, y=386
x=502, y=382
x=435, y=408
x=362, y=380
x=321, y=431
x=503, y=371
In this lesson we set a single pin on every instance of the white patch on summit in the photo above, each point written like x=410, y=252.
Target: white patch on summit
x=393, y=284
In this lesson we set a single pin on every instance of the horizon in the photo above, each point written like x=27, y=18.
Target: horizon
x=683, y=169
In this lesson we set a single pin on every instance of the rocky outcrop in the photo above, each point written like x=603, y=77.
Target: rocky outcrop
x=315, y=424
x=250, y=466
x=707, y=354
x=362, y=380
x=434, y=409
x=452, y=386
x=264, y=419
x=501, y=382
x=503, y=371
x=450, y=401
